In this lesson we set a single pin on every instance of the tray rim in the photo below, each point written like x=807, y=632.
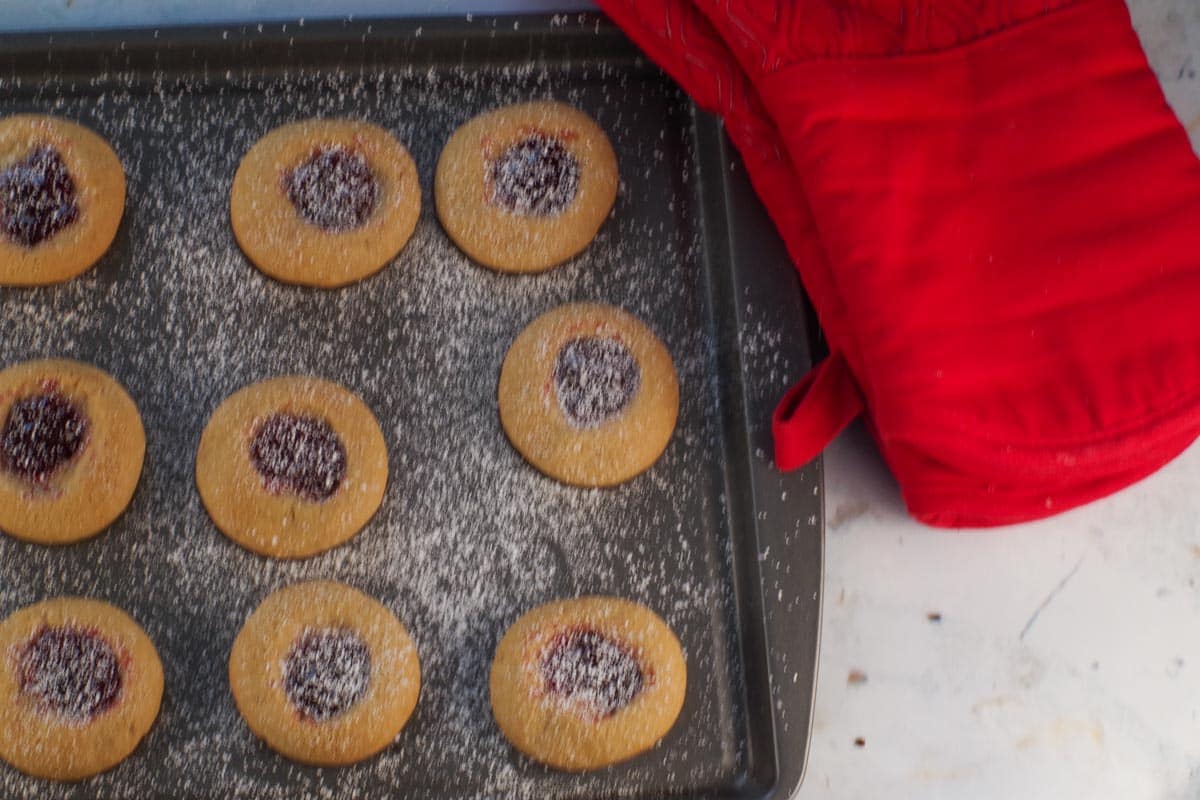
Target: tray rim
x=752, y=432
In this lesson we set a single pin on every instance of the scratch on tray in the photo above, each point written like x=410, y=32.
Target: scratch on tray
x=1050, y=597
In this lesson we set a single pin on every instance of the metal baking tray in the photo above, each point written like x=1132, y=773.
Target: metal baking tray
x=469, y=536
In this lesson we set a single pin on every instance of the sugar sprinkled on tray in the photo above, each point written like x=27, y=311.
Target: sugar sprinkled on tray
x=469, y=536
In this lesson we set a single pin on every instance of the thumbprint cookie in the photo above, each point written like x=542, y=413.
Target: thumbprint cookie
x=324, y=202
x=588, y=395
x=62, y=195
x=525, y=187
x=80, y=685
x=324, y=674
x=71, y=450
x=580, y=684
x=291, y=466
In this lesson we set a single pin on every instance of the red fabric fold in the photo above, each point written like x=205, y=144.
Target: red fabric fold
x=997, y=217
x=824, y=402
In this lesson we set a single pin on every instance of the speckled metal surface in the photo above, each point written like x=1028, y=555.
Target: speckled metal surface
x=469, y=536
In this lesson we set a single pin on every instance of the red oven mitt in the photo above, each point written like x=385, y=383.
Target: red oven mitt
x=997, y=217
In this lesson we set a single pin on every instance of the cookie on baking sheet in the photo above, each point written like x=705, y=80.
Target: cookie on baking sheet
x=324, y=202
x=71, y=450
x=291, y=466
x=62, y=194
x=588, y=395
x=80, y=685
x=324, y=674
x=584, y=683
x=525, y=187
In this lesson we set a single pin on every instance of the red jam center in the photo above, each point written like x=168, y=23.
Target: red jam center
x=70, y=671
x=596, y=379
x=41, y=434
x=327, y=672
x=37, y=197
x=536, y=177
x=299, y=454
x=334, y=189
x=584, y=667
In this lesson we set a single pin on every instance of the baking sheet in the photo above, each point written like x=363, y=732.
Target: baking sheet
x=469, y=537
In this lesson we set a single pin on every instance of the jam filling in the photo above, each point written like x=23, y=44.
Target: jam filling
x=584, y=667
x=70, y=671
x=41, y=434
x=327, y=672
x=536, y=177
x=334, y=189
x=299, y=454
x=37, y=197
x=596, y=379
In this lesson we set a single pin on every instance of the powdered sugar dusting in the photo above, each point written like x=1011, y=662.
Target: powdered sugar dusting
x=298, y=454
x=536, y=176
x=40, y=435
x=590, y=673
x=595, y=378
x=469, y=536
x=326, y=672
x=71, y=673
x=334, y=189
x=37, y=198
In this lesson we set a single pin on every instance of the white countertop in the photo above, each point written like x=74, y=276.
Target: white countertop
x=1066, y=659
